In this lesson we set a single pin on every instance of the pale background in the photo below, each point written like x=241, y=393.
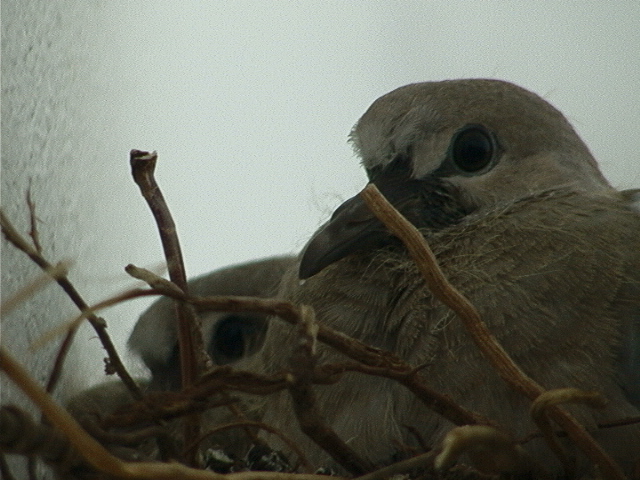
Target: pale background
x=249, y=105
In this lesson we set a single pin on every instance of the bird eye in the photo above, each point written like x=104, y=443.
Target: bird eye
x=236, y=336
x=229, y=339
x=472, y=149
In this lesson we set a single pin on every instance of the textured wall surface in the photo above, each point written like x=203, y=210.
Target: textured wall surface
x=55, y=137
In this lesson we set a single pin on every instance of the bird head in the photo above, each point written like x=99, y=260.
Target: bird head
x=443, y=151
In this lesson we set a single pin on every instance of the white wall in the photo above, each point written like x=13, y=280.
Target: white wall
x=57, y=136
x=249, y=105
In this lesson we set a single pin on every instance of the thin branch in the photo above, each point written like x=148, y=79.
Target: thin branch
x=240, y=417
x=437, y=402
x=22, y=435
x=154, y=281
x=96, y=455
x=621, y=422
x=12, y=235
x=540, y=414
x=193, y=356
x=304, y=401
x=58, y=363
x=91, y=310
x=33, y=221
x=91, y=449
x=491, y=450
x=425, y=260
x=189, y=334
x=161, y=406
x=374, y=361
x=133, y=438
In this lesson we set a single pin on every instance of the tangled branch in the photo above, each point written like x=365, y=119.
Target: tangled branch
x=206, y=387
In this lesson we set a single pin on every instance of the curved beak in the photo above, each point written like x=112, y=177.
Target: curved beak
x=430, y=202
x=352, y=228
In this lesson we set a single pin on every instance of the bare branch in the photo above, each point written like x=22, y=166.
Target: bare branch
x=20, y=434
x=540, y=414
x=491, y=450
x=12, y=235
x=189, y=332
x=162, y=406
x=153, y=280
x=101, y=459
x=33, y=221
x=304, y=401
x=91, y=310
x=410, y=379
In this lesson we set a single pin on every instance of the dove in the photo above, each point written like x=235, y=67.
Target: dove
x=524, y=224
x=228, y=337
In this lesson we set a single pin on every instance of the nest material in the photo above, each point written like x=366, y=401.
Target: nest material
x=213, y=423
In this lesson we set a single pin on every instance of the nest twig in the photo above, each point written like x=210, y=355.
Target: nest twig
x=211, y=389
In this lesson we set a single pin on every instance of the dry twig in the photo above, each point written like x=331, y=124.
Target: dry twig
x=96, y=455
x=193, y=356
x=20, y=434
x=304, y=400
x=33, y=221
x=189, y=332
x=12, y=235
x=495, y=452
x=158, y=406
x=373, y=361
x=540, y=415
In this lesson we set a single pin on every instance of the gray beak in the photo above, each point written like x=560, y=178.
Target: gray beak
x=427, y=203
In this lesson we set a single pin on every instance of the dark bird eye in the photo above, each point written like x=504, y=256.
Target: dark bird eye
x=236, y=336
x=472, y=149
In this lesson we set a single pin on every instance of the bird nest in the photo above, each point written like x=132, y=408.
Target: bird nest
x=123, y=432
